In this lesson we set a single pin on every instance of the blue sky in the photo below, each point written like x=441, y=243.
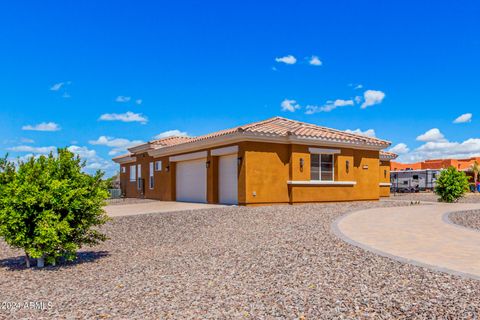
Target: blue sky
x=201, y=66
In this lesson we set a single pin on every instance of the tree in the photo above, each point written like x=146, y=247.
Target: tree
x=49, y=207
x=451, y=185
x=475, y=168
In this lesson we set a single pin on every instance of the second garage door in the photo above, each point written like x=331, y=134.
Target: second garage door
x=228, y=179
x=191, y=181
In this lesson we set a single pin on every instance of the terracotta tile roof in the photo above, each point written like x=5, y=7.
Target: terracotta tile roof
x=279, y=126
x=170, y=141
x=387, y=155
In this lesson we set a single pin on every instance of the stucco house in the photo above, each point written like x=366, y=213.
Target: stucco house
x=277, y=160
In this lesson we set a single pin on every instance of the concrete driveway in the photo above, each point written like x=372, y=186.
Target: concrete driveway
x=119, y=210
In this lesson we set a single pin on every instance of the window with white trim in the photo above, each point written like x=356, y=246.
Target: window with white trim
x=139, y=171
x=158, y=165
x=151, y=181
x=321, y=167
x=133, y=176
x=124, y=169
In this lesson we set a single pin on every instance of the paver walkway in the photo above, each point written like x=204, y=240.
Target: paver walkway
x=419, y=235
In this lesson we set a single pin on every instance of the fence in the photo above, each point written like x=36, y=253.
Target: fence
x=115, y=193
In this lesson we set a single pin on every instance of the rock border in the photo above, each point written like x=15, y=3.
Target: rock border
x=446, y=219
x=336, y=231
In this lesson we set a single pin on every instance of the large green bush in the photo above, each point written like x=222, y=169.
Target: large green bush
x=49, y=207
x=451, y=185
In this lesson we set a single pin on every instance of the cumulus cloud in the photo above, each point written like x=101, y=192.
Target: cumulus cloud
x=372, y=97
x=367, y=133
x=289, y=105
x=431, y=135
x=400, y=148
x=57, y=86
x=123, y=99
x=93, y=160
x=287, y=59
x=44, y=126
x=124, y=117
x=118, y=145
x=329, y=106
x=466, y=117
x=171, y=133
x=31, y=149
x=315, y=61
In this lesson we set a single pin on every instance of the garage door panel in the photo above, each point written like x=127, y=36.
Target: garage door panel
x=228, y=179
x=191, y=181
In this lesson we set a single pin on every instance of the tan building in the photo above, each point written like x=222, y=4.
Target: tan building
x=272, y=161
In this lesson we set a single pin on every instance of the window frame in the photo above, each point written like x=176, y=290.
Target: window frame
x=158, y=165
x=319, y=154
x=133, y=169
x=151, y=178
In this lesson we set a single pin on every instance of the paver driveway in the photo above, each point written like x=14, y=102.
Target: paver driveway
x=416, y=234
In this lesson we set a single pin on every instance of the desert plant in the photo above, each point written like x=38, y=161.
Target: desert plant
x=49, y=206
x=451, y=185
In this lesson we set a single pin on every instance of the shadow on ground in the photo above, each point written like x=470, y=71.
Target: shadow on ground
x=18, y=263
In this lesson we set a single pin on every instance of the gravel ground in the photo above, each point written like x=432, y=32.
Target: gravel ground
x=430, y=196
x=469, y=219
x=278, y=262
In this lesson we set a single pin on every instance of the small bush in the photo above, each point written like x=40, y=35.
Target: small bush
x=451, y=185
x=48, y=206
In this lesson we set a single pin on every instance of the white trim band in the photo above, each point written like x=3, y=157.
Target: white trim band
x=385, y=184
x=189, y=156
x=323, y=151
x=322, y=183
x=224, y=151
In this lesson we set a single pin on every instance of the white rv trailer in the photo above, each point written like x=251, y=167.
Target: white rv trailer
x=413, y=180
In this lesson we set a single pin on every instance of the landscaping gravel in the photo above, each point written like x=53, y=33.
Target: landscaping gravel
x=469, y=219
x=431, y=197
x=279, y=262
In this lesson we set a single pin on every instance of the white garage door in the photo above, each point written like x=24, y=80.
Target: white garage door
x=228, y=179
x=191, y=181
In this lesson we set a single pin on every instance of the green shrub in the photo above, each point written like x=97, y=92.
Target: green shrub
x=48, y=206
x=451, y=185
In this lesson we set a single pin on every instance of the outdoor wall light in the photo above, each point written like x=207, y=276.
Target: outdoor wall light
x=347, y=166
x=302, y=162
x=167, y=168
x=207, y=164
x=239, y=159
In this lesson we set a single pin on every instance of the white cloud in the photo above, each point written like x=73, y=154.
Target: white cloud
x=400, y=148
x=287, y=59
x=138, y=101
x=431, y=135
x=66, y=95
x=372, y=97
x=118, y=145
x=27, y=140
x=123, y=99
x=368, y=133
x=289, y=105
x=466, y=117
x=315, y=61
x=358, y=86
x=57, y=86
x=357, y=99
x=124, y=117
x=171, y=133
x=30, y=149
x=329, y=106
x=44, y=126
x=93, y=161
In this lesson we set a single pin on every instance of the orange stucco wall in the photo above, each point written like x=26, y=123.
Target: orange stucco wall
x=384, y=178
x=263, y=173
